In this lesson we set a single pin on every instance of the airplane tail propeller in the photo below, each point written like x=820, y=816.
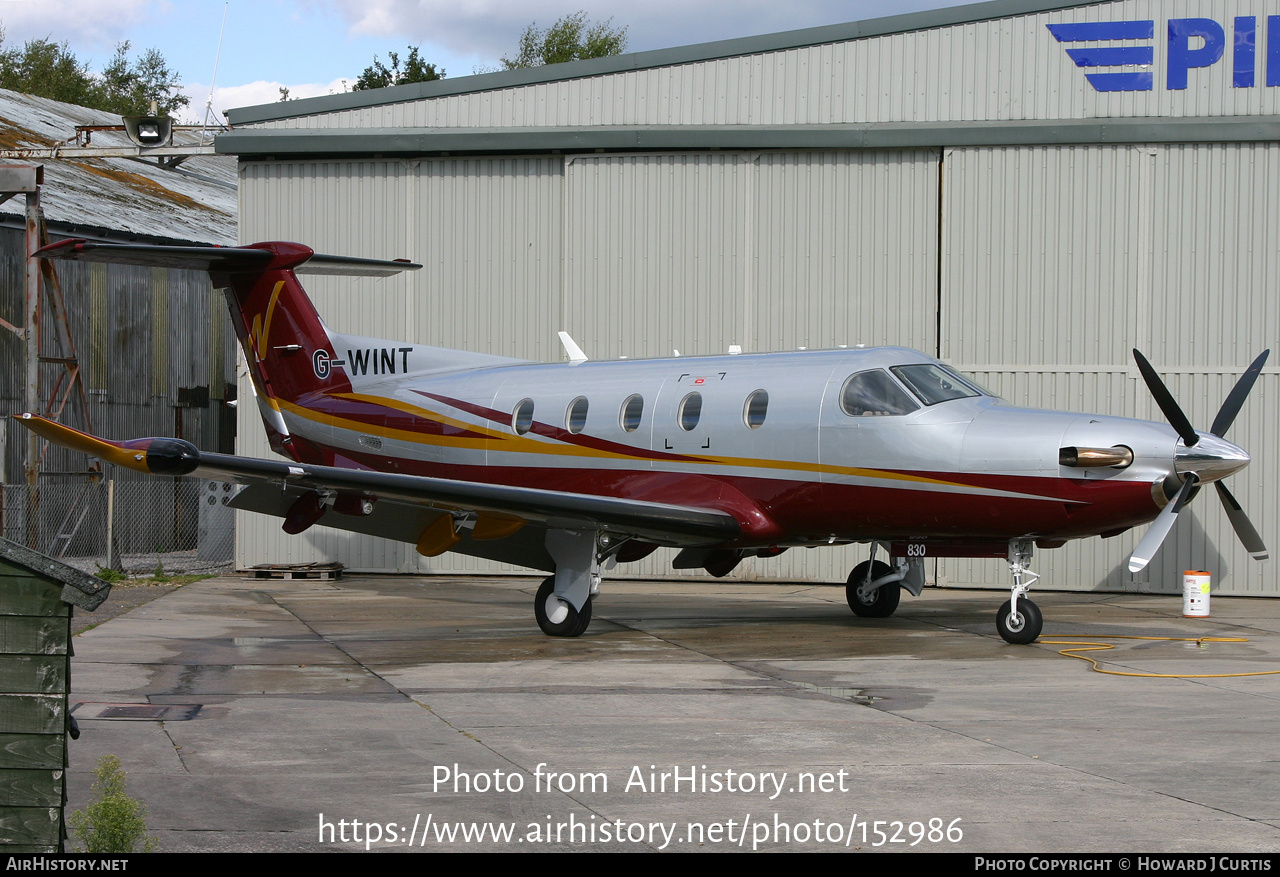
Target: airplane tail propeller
x=1217, y=457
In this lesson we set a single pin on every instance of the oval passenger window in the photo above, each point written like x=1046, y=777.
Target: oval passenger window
x=632, y=409
x=522, y=417
x=575, y=418
x=690, y=411
x=753, y=413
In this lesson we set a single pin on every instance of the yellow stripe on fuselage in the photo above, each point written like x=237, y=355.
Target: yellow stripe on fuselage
x=516, y=444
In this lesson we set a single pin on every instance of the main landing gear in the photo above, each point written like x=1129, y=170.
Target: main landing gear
x=872, y=602
x=875, y=588
x=563, y=602
x=557, y=617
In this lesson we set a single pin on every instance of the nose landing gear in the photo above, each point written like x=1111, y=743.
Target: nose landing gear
x=1019, y=620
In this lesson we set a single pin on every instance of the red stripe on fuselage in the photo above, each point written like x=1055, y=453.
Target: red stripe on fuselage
x=382, y=416
x=781, y=510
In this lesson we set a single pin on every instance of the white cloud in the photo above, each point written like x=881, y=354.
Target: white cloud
x=251, y=94
x=487, y=28
x=96, y=25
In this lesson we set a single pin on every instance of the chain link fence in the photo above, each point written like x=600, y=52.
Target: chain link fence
x=177, y=525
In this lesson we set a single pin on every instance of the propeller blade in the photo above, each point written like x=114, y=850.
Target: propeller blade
x=1243, y=526
x=1167, y=403
x=1231, y=405
x=1160, y=527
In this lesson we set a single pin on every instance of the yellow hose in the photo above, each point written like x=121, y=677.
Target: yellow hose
x=1102, y=647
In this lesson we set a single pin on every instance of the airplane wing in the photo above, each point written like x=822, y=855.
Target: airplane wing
x=277, y=485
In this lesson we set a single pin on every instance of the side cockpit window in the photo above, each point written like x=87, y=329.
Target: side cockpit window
x=874, y=393
x=934, y=383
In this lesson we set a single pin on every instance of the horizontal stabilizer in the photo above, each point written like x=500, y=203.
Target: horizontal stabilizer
x=229, y=260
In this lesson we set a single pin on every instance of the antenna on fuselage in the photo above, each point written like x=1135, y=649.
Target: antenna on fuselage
x=571, y=347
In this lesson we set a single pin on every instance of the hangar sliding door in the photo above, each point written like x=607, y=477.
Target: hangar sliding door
x=1058, y=260
x=766, y=250
x=634, y=255
x=487, y=232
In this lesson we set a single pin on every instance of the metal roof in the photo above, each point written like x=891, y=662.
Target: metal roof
x=810, y=36
x=196, y=202
x=867, y=135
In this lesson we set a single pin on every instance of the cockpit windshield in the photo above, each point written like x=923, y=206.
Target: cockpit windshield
x=933, y=383
x=873, y=393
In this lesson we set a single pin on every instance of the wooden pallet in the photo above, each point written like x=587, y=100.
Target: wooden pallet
x=328, y=572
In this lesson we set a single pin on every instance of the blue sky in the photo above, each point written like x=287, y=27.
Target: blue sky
x=312, y=46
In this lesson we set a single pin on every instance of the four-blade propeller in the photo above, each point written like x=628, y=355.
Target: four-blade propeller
x=1216, y=456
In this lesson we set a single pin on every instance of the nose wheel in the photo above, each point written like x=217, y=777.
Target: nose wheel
x=557, y=617
x=1019, y=620
x=1021, y=627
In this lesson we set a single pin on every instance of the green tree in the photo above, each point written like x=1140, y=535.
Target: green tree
x=128, y=87
x=113, y=822
x=572, y=38
x=378, y=75
x=48, y=69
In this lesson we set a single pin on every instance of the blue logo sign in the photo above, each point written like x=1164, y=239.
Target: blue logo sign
x=1192, y=43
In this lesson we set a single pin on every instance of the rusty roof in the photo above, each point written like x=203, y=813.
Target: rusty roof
x=193, y=203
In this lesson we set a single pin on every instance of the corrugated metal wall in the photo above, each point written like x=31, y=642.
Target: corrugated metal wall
x=1008, y=68
x=634, y=255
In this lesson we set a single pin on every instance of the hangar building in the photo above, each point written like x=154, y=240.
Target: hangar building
x=1026, y=189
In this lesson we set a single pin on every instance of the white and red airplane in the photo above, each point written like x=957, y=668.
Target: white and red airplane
x=573, y=467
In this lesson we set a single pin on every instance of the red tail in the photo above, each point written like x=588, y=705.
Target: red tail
x=278, y=327
x=286, y=345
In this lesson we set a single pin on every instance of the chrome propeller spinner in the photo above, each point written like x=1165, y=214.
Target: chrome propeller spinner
x=1201, y=458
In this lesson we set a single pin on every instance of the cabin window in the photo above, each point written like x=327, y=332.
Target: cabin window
x=522, y=417
x=933, y=383
x=575, y=417
x=874, y=393
x=632, y=409
x=753, y=413
x=690, y=411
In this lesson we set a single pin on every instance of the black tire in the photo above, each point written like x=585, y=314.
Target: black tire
x=574, y=623
x=885, y=600
x=1027, y=629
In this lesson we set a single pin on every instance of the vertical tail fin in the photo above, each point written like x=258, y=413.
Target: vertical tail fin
x=281, y=334
x=285, y=343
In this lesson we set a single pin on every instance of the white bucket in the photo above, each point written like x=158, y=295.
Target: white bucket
x=1195, y=593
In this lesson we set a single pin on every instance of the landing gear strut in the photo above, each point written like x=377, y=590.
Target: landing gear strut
x=1019, y=620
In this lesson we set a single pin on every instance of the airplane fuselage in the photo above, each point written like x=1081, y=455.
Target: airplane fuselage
x=968, y=469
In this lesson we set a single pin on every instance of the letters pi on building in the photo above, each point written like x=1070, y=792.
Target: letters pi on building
x=1191, y=43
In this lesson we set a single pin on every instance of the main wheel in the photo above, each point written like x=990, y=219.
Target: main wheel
x=883, y=601
x=555, y=616
x=1023, y=629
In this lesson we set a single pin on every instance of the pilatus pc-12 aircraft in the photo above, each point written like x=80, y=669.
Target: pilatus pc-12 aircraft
x=573, y=467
